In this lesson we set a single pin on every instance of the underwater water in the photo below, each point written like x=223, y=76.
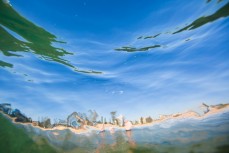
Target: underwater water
x=17, y=140
x=162, y=55
x=137, y=59
x=210, y=134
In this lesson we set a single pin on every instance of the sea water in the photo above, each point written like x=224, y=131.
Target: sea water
x=209, y=134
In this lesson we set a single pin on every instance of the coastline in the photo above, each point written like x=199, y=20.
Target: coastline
x=187, y=115
x=86, y=128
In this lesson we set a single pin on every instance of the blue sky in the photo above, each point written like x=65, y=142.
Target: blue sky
x=174, y=78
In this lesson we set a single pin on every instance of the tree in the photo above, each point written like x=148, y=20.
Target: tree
x=105, y=121
x=45, y=122
x=113, y=116
x=149, y=120
x=55, y=121
x=141, y=120
x=102, y=119
x=93, y=115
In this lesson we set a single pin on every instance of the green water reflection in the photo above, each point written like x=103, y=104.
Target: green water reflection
x=37, y=40
x=201, y=21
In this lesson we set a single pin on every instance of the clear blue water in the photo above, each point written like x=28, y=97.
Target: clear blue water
x=157, y=57
x=137, y=58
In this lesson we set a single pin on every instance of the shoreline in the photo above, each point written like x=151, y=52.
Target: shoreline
x=185, y=115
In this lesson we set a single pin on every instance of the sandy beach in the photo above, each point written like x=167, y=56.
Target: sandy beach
x=99, y=127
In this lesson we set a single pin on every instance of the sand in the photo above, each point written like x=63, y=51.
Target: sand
x=99, y=127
